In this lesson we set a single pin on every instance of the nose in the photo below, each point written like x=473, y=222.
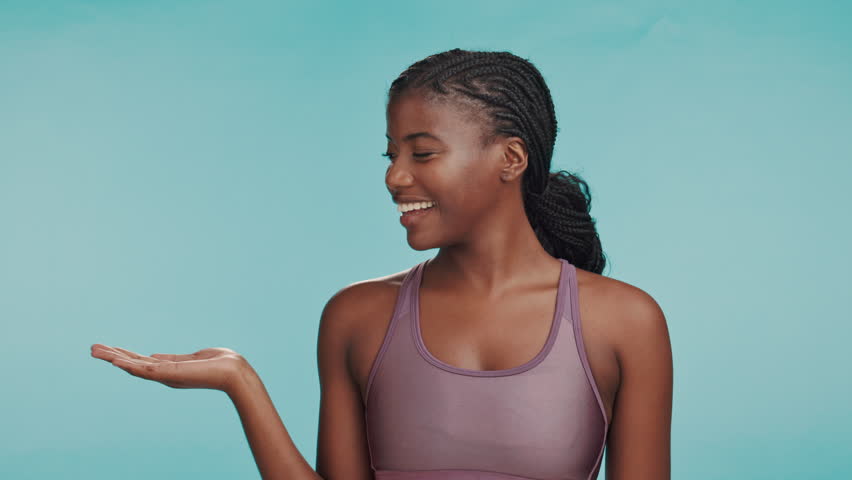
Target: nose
x=398, y=177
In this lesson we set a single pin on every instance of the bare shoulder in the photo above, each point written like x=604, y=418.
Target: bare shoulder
x=359, y=315
x=362, y=299
x=627, y=313
x=353, y=305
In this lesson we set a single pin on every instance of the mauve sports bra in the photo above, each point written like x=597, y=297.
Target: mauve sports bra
x=428, y=420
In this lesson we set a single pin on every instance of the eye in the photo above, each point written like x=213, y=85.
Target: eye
x=391, y=156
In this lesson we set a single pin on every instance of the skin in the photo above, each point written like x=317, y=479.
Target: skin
x=487, y=299
x=490, y=271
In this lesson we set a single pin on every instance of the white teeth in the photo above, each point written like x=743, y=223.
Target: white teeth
x=407, y=207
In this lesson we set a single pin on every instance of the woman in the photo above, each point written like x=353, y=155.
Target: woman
x=464, y=366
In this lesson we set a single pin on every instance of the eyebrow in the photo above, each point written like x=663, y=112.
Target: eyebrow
x=412, y=136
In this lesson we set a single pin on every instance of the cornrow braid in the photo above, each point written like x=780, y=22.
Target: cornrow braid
x=514, y=98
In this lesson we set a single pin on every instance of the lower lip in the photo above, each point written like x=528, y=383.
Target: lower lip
x=414, y=217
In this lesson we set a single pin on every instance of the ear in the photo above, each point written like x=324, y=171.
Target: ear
x=514, y=159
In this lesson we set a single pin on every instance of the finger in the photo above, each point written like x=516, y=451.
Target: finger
x=110, y=353
x=174, y=357
x=128, y=366
x=106, y=348
x=103, y=354
x=135, y=355
x=107, y=353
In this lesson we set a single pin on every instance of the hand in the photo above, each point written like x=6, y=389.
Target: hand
x=213, y=368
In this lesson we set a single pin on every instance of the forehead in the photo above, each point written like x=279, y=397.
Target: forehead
x=447, y=119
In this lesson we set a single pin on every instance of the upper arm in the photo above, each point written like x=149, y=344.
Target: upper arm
x=639, y=441
x=342, y=441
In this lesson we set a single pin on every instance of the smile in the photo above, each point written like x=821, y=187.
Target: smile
x=415, y=216
x=412, y=206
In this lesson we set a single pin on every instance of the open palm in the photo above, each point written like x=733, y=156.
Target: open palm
x=213, y=368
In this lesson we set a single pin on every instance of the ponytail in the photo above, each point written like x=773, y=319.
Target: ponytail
x=561, y=221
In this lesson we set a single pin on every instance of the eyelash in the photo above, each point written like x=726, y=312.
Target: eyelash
x=390, y=156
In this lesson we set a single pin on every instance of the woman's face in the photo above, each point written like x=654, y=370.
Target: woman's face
x=436, y=155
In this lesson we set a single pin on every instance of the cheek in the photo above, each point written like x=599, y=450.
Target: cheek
x=469, y=192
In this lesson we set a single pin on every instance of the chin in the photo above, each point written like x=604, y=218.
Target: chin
x=422, y=244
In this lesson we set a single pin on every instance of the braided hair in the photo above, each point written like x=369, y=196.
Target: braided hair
x=510, y=94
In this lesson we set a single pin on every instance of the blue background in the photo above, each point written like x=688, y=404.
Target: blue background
x=180, y=175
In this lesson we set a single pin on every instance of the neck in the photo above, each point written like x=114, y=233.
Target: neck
x=500, y=253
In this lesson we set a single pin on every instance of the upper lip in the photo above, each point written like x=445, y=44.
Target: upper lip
x=403, y=199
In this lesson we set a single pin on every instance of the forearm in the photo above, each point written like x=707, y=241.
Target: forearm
x=274, y=452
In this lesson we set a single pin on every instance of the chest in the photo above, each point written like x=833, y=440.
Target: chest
x=490, y=334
